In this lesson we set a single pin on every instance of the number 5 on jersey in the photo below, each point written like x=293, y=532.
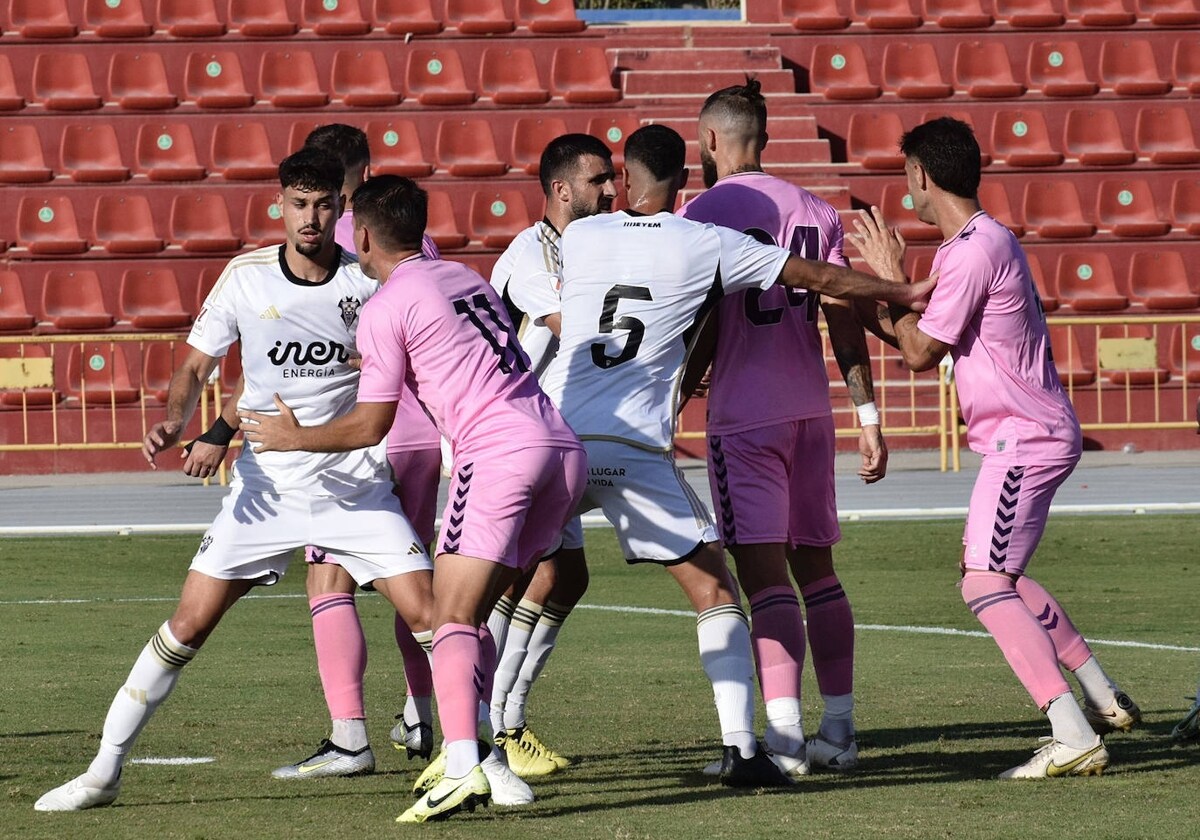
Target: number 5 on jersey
x=609, y=322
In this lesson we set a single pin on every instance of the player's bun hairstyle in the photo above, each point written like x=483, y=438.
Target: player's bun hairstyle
x=344, y=142
x=743, y=103
x=395, y=210
x=659, y=149
x=312, y=171
x=949, y=153
x=563, y=153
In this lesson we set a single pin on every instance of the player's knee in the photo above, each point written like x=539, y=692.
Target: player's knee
x=190, y=629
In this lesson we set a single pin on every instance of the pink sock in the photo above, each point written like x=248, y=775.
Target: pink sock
x=341, y=653
x=1022, y=638
x=777, y=633
x=1069, y=645
x=457, y=679
x=417, y=675
x=830, y=635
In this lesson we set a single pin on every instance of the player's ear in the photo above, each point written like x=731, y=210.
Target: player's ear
x=762, y=141
x=625, y=180
x=708, y=138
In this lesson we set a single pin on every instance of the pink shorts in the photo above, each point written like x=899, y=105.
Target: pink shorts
x=1009, y=507
x=511, y=508
x=417, y=473
x=775, y=484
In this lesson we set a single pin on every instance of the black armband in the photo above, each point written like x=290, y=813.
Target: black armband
x=219, y=433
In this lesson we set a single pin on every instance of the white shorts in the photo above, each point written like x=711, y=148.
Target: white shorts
x=255, y=534
x=657, y=515
x=570, y=538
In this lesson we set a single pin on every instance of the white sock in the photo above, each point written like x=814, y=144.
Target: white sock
x=349, y=733
x=512, y=656
x=785, y=731
x=418, y=710
x=1068, y=723
x=499, y=620
x=1098, y=689
x=149, y=683
x=837, y=723
x=725, y=653
x=461, y=756
x=541, y=645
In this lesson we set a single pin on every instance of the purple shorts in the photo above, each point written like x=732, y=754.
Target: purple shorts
x=511, y=508
x=775, y=484
x=1007, y=515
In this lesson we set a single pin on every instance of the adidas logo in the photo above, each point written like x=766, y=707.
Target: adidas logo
x=270, y=314
x=415, y=549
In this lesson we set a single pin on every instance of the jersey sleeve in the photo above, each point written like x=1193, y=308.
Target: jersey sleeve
x=384, y=357
x=837, y=243
x=746, y=263
x=961, y=287
x=535, y=293
x=215, y=328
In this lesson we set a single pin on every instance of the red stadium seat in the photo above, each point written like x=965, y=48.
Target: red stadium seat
x=1183, y=352
x=479, y=17
x=150, y=300
x=1101, y=12
x=1165, y=136
x=443, y=227
x=1045, y=291
x=396, y=149
x=404, y=17
x=204, y=285
x=886, y=14
x=90, y=153
x=897, y=208
x=1145, y=334
x=1085, y=282
x=361, y=79
x=509, y=76
x=261, y=18
x=214, y=80
x=62, y=81
x=815, y=15
x=1093, y=137
x=1159, y=280
x=117, y=18
x=581, y=76
x=288, y=79
x=1171, y=12
x=341, y=19
x=231, y=368
x=264, y=222
x=1185, y=205
x=614, y=131
x=530, y=136
x=1128, y=68
x=873, y=140
x=994, y=199
x=984, y=70
x=21, y=158
x=958, y=14
x=436, y=77
x=167, y=152
x=1052, y=210
x=1020, y=138
x=1186, y=65
x=1127, y=209
x=839, y=71
x=190, y=18
x=10, y=98
x=1056, y=69
x=124, y=224
x=137, y=81
x=38, y=19
x=48, y=226
x=14, y=312
x=159, y=360
x=911, y=71
x=1030, y=14
x=200, y=223
x=467, y=149
x=242, y=152
x=550, y=17
x=498, y=216
x=1075, y=369
x=98, y=373
x=73, y=301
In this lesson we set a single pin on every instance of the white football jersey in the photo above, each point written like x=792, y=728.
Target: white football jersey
x=634, y=291
x=296, y=341
x=527, y=276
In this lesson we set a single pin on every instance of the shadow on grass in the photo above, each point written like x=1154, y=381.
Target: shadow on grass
x=45, y=733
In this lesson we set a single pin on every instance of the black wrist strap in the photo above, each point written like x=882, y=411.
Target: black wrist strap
x=219, y=433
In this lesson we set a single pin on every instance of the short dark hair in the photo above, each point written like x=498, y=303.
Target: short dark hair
x=658, y=148
x=563, y=153
x=311, y=170
x=344, y=142
x=949, y=153
x=395, y=209
x=745, y=103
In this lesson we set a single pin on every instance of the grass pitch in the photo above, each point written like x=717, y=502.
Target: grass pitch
x=938, y=715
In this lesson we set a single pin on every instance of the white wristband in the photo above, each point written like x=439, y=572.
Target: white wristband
x=868, y=414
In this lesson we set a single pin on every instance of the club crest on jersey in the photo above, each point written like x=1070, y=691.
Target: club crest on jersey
x=349, y=306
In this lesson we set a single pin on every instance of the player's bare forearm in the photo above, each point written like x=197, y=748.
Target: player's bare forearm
x=850, y=350
x=364, y=425
x=183, y=394
x=875, y=318
x=920, y=352
x=839, y=282
x=229, y=411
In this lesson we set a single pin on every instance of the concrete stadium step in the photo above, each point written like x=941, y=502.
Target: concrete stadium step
x=779, y=128
x=668, y=83
x=748, y=59
x=782, y=152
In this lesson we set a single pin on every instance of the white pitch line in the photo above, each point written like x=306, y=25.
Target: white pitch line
x=175, y=761
x=886, y=628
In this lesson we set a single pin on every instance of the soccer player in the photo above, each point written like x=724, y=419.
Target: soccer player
x=578, y=180
x=1189, y=728
x=296, y=310
x=771, y=450
x=985, y=313
x=636, y=285
x=518, y=467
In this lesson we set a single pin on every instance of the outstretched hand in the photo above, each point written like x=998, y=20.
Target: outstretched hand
x=161, y=436
x=882, y=247
x=271, y=432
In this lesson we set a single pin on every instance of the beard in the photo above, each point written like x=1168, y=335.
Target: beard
x=309, y=249
x=708, y=168
x=581, y=209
